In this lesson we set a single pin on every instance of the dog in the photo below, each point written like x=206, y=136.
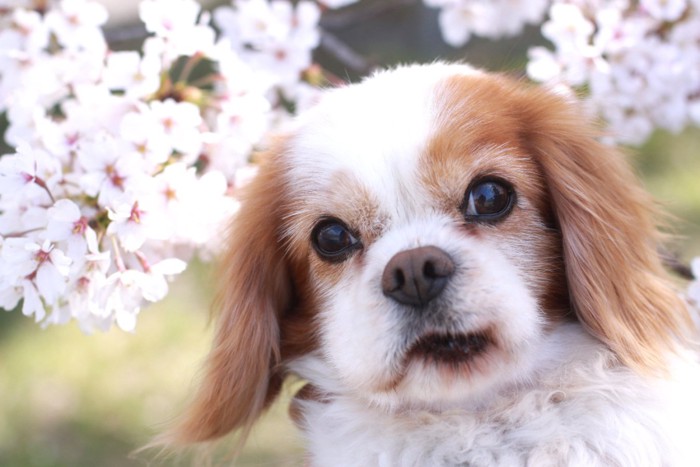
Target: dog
x=464, y=274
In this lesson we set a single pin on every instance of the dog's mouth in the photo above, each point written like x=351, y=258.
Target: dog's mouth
x=451, y=348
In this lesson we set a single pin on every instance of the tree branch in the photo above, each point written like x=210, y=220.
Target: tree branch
x=344, y=54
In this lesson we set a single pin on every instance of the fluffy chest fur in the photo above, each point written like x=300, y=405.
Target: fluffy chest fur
x=464, y=275
x=578, y=408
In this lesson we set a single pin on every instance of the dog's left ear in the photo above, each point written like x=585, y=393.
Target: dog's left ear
x=618, y=286
x=240, y=376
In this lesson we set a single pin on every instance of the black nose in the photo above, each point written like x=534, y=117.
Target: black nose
x=415, y=277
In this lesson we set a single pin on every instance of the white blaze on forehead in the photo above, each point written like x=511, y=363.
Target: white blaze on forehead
x=374, y=131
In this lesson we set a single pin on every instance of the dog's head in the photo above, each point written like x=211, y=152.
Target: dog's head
x=419, y=236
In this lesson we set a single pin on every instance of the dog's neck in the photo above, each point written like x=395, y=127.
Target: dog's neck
x=578, y=406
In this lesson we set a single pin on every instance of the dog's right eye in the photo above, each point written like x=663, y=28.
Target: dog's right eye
x=333, y=241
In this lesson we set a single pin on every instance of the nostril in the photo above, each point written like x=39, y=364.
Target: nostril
x=429, y=270
x=399, y=278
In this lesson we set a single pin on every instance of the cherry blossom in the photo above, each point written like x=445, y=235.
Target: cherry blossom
x=41, y=270
x=67, y=224
x=665, y=10
x=274, y=36
x=166, y=17
x=76, y=24
x=135, y=75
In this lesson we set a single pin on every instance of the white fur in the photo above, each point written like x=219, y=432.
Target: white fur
x=380, y=145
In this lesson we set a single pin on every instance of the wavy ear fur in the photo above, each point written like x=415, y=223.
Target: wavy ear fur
x=618, y=286
x=239, y=381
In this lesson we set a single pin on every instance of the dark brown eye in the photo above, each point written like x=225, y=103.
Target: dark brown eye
x=333, y=241
x=488, y=200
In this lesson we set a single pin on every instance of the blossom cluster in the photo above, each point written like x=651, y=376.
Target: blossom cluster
x=639, y=61
x=125, y=161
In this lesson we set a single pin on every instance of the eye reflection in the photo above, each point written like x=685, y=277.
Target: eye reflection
x=488, y=200
x=333, y=240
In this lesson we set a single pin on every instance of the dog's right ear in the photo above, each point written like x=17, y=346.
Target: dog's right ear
x=238, y=380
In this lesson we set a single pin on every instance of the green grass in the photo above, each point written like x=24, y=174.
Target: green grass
x=671, y=169
x=68, y=399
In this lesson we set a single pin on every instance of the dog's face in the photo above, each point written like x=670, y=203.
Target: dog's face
x=428, y=245
x=418, y=236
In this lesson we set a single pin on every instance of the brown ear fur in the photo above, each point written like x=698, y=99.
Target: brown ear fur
x=254, y=286
x=618, y=286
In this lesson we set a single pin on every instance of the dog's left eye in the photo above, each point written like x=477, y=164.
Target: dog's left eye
x=488, y=200
x=332, y=240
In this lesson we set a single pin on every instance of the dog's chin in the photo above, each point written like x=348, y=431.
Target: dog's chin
x=441, y=370
x=451, y=352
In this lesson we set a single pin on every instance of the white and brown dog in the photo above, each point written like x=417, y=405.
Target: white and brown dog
x=464, y=275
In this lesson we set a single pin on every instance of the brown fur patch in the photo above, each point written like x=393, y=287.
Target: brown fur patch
x=617, y=285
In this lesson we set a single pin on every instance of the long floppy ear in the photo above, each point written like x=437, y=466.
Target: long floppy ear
x=617, y=284
x=238, y=381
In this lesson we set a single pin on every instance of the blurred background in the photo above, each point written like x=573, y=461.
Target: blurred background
x=70, y=399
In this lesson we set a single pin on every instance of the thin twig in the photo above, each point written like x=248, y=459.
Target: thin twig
x=122, y=34
x=19, y=234
x=346, y=55
x=362, y=11
x=121, y=267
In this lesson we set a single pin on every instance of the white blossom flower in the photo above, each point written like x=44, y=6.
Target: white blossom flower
x=41, y=270
x=146, y=137
x=179, y=122
x=163, y=17
x=251, y=22
x=459, y=19
x=29, y=173
x=27, y=32
x=128, y=224
x=543, y=65
x=109, y=170
x=665, y=10
x=87, y=302
x=135, y=75
x=567, y=27
x=67, y=224
x=32, y=303
x=126, y=290
x=273, y=36
x=10, y=295
x=76, y=24
x=617, y=33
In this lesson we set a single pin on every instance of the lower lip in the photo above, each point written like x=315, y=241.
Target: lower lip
x=451, y=350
